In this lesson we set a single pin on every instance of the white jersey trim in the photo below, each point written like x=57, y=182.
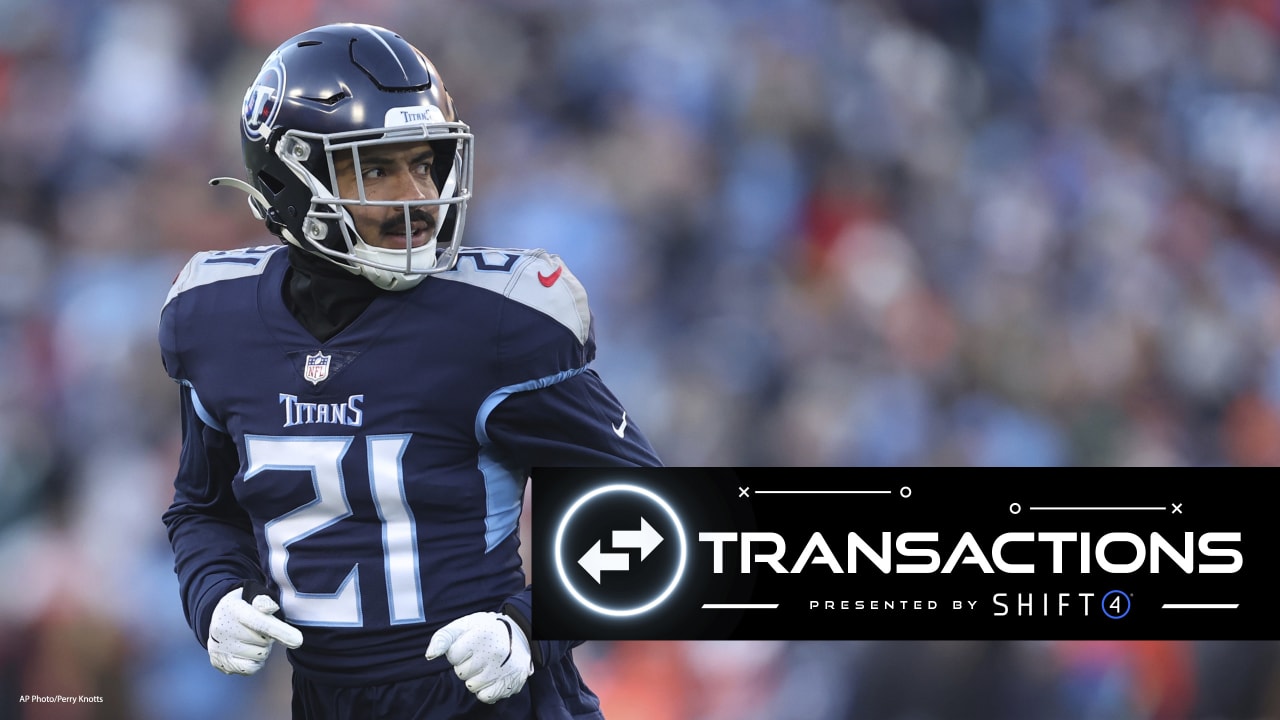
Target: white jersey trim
x=536, y=279
x=213, y=266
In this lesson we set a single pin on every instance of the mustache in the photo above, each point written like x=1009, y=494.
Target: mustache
x=395, y=225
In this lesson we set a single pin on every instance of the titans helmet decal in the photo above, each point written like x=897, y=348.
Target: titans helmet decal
x=262, y=99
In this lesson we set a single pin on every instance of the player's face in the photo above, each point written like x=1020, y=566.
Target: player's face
x=391, y=172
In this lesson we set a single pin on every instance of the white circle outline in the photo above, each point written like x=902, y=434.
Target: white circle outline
x=564, y=578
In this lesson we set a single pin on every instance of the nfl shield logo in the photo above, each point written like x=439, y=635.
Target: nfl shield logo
x=316, y=368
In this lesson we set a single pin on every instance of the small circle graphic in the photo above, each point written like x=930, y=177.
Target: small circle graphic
x=559, y=550
x=1122, y=602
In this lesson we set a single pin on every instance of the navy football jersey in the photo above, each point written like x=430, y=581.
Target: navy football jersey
x=375, y=480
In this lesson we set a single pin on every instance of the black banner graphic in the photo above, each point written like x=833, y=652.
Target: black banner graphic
x=862, y=554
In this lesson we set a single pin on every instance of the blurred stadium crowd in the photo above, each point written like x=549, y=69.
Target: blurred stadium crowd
x=915, y=233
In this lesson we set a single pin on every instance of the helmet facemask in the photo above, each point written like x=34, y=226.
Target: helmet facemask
x=329, y=227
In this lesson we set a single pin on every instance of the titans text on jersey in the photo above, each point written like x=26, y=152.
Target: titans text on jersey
x=297, y=412
x=375, y=480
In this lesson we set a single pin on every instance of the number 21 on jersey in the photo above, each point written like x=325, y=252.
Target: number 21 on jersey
x=322, y=458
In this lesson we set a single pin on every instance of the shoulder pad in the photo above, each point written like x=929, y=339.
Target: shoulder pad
x=215, y=265
x=534, y=278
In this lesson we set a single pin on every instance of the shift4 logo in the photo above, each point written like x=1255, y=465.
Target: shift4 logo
x=620, y=550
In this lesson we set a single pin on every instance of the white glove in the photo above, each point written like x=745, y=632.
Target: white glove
x=488, y=651
x=241, y=635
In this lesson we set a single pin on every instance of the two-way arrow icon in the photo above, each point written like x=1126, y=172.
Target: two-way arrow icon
x=595, y=561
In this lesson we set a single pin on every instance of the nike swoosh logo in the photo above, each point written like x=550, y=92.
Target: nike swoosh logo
x=620, y=430
x=549, y=280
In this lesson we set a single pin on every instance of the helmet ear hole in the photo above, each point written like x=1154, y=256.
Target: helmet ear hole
x=271, y=183
x=271, y=188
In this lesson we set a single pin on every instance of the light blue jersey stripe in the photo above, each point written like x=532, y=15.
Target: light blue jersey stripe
x=202, y=412
x=502, y=485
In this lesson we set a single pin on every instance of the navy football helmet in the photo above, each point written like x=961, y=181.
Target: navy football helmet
x=333, y=91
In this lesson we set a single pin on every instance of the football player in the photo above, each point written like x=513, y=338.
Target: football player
x=362, y=404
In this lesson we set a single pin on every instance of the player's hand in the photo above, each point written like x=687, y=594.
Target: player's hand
x=241, y=635
x=488, y=651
